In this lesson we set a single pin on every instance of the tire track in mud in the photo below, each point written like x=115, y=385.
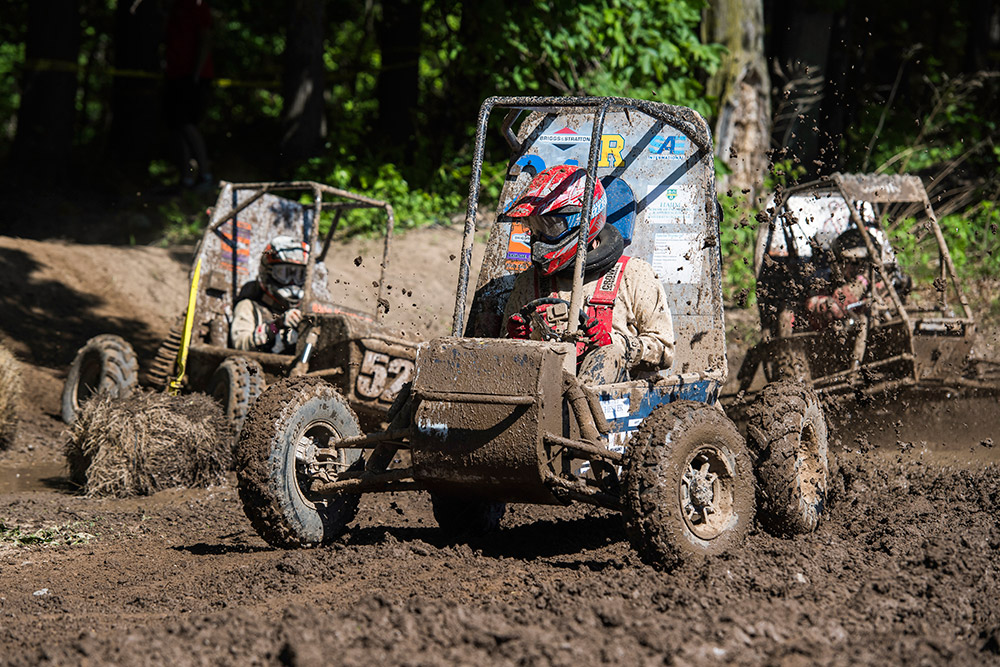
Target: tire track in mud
x=902, y=571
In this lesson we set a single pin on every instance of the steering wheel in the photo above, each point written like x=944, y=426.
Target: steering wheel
x=530, y=312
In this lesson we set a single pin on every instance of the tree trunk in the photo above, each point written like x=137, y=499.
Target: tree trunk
x=398, y=34
x=135, y=99
x=742, y=85
x=44, y=136
x=303, y=118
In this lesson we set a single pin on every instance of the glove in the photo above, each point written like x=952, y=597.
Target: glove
x=264, y=333
x=291, y=318
x=598, y=335
x=851, y=296
x=518, y=327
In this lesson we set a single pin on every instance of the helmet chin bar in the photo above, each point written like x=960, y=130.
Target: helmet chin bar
x=290, y=295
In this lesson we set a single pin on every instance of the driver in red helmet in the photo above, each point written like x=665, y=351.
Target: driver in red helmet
x=266, y=317
x=627, y=324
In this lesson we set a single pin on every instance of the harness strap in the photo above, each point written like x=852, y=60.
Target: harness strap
x=602, y=304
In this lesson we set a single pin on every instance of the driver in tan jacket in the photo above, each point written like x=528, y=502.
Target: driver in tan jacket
x=627, y=324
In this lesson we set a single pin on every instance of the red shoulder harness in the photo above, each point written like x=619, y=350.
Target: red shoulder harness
x=601, y=304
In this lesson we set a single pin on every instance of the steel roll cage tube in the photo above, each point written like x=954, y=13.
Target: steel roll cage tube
x=318, y=189
x=655, y=110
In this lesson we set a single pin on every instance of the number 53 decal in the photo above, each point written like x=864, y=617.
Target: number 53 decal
x=377, y=369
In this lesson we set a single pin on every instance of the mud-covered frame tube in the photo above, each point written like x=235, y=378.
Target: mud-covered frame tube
x=601, y=104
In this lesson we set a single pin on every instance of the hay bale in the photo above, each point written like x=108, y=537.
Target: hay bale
x=10, y=395
x=147, y=442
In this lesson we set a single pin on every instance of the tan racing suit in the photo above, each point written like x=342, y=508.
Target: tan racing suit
x=248, y=315
x=642, y=332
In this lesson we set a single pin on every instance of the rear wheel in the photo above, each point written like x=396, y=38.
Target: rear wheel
x=235, y=385
x=277, y=463
x=462, y=517
x=162, y=368
x=788, y=363
x=787, y=433
x=106, y=364
x=688, y=485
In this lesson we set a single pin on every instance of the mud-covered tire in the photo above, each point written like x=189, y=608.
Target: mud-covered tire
x=688, y=489
x=105, y=364
x=788, y=363
x=235, y=385
x=288, y=417
x=162, y=367
x=464, y=517
x=787, y=433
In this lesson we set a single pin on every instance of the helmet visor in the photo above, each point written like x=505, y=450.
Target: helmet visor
x=289, y=274
x=552, y=227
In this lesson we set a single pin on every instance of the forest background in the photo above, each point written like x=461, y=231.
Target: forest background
x=381, y=97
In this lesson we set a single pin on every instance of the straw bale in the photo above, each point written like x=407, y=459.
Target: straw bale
x=11, y=387
x=147, y=442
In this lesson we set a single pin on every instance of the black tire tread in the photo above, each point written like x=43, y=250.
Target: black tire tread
x=163, y=364
x=120, y=372
x=776, y=420
x=654, y=530
x=258, y=463
x=246, y=381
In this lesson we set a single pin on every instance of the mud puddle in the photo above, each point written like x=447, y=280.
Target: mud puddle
x=40, y=476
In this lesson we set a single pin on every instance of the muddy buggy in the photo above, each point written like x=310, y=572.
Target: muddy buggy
x=898, y=347
x=353, y=350
x=488, y=421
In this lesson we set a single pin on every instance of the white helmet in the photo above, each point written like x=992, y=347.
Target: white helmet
x=282, y=272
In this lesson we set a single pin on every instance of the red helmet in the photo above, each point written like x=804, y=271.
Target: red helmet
x=551, y=206
x=282, y=272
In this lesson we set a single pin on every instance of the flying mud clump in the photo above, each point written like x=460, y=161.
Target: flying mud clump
x=10, y=394
x=148, y=442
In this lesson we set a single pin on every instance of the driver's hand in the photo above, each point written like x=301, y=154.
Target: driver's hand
x=264, y=333
x=291, y=318
x=518, y=327
x=598, y=336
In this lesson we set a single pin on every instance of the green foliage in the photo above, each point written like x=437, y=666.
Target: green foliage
x=183, y=218
x=973, y=240
x=11, y=54
x=640, y=48
x=738, y=235
x=72, y=533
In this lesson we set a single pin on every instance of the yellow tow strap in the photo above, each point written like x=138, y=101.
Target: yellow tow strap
x=174, y=387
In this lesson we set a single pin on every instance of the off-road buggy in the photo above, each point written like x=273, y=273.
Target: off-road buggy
x=895, y=345
x=488, y=421
x=353, y=350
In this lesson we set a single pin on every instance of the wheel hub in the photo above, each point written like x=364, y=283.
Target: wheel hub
x=706, y=493
x=702, y=492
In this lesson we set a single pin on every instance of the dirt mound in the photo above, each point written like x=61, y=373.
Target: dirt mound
x=148, y=442
x=10, y=395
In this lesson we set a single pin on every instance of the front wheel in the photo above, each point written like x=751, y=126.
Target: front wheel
x=235, y=385
x=688, y=485
x=277, y=461
x=105, y=364
x=787, y=432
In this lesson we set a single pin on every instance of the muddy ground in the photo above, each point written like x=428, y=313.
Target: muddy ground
x=903, y=571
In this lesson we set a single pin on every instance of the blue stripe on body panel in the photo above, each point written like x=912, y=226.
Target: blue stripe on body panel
x=624, y=419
